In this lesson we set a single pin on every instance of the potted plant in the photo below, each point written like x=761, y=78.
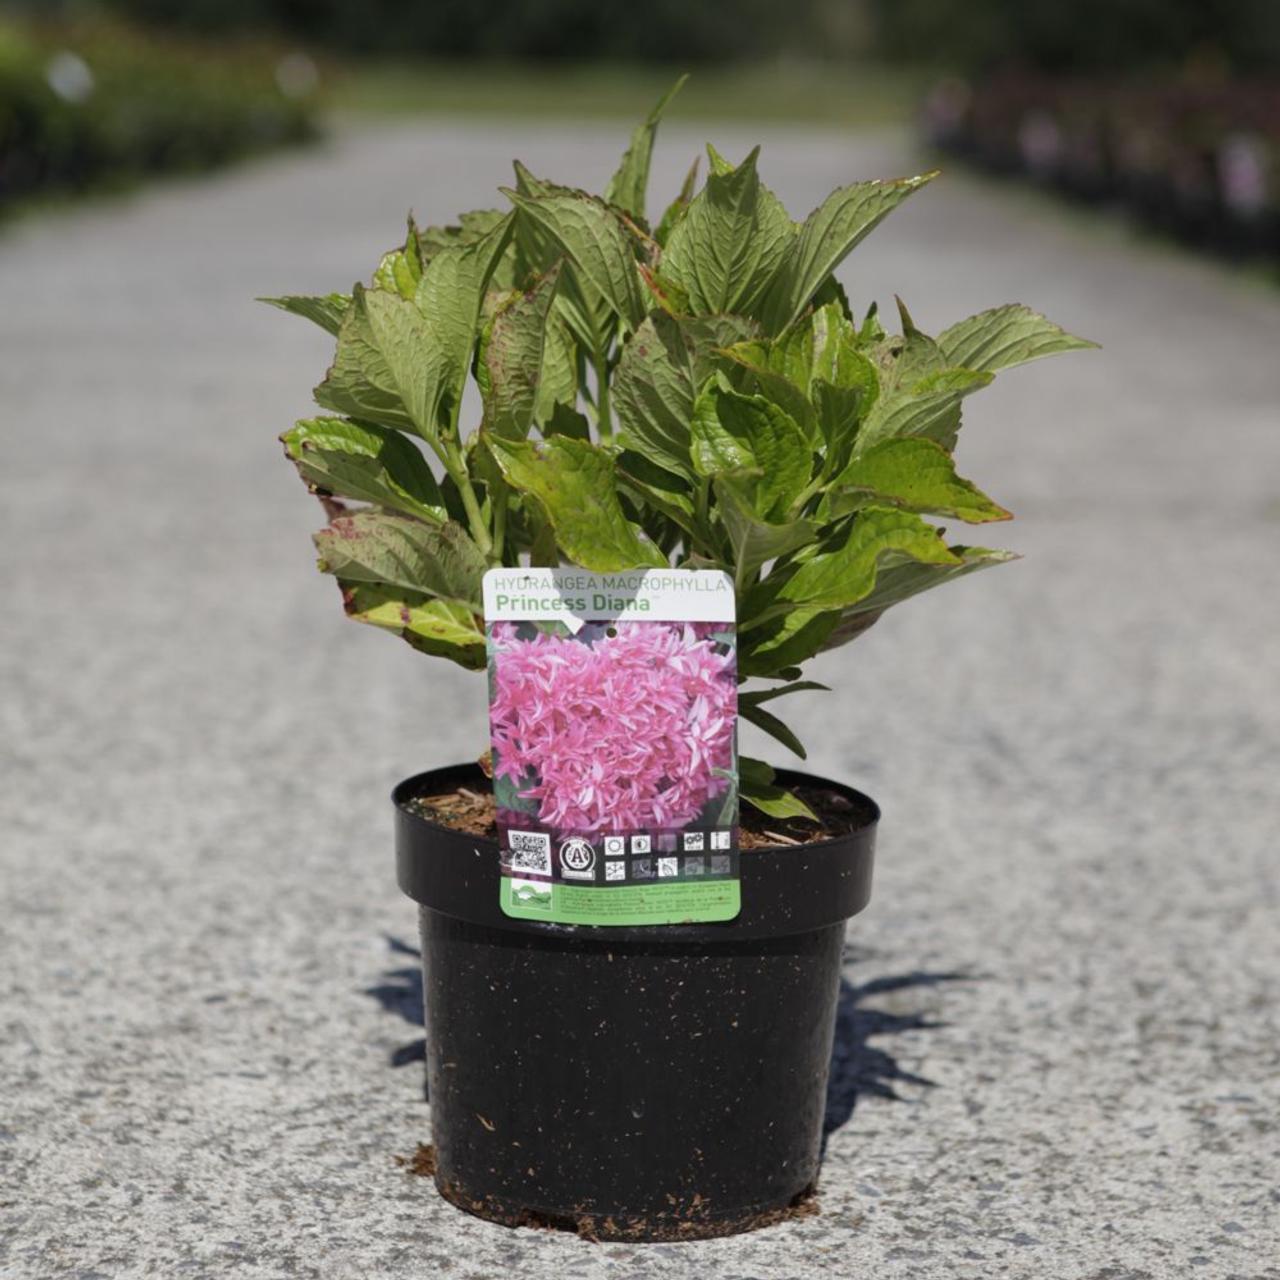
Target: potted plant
x=692, y=391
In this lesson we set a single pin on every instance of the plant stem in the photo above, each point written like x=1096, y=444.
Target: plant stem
x=499, y=523
x=603, y=420
x=454, y=465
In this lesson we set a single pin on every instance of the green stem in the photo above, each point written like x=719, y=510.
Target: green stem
x=499, y=523
x=603, y=420
x=457, y=470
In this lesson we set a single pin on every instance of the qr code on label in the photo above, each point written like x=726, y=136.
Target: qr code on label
x=530, y=851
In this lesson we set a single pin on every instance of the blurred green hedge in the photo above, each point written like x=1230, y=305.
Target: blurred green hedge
x=672, y=31
x=101, y=105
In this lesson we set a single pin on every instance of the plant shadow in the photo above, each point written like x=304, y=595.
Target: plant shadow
x=858, y=1068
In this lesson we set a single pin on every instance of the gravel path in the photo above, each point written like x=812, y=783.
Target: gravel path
x=1073, y=935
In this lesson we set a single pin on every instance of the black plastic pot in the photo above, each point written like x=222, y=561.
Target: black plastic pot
x=656, y=1083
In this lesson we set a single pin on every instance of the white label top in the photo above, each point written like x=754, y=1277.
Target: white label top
x=575, y=596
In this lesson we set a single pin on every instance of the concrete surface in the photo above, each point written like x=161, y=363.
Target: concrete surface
x=1077, y=757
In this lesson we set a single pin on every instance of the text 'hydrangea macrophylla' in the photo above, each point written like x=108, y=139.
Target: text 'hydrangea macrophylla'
x=621, y=735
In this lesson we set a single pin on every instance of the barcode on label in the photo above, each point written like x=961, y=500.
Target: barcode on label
x=530, y=851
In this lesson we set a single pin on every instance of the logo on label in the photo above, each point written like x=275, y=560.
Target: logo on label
x=577, y=859
x=614, y=846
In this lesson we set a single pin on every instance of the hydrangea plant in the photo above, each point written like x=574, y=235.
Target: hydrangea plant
x=691, y=390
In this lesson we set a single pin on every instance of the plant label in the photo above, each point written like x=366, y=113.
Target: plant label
x=613, y=726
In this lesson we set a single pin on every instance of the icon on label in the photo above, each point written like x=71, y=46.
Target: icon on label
x=614, y=846
x=532, y=894
x=642, y=869
x=720, y=839
x=719, y=864
x=693, y=840
x=640, y=844
x=577, y=859
x=668, y=866
x=694, y=866
x=615, y=869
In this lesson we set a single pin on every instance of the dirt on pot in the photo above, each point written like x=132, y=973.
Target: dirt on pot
x=474, y=812
x=690, y=1225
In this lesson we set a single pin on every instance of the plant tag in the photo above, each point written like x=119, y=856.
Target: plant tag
x=613, y=715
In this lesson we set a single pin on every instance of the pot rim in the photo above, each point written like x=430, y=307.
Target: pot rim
x=786, y=889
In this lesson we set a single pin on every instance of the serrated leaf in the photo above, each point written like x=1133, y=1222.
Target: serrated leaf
x=450, y=296
x=401, y=269
x=629, y=184
x=916, y=475
x=558, y=381
x=755, y=541
x=597, y=244
x=437, y=627
x=845, y=570
x=512, y=358
x=930, y=409
x=679, y=206
x=326, y=310
x=657, y=380
x=574, y=482
x=403, y=362
x=732, y=433
x=778, y=646
x=396, y=551
x=659, y=488
x=366, y=462
x=826, y=238
x=1004, y=337
x=899, y=580
x=730, y=242
x=363, y=382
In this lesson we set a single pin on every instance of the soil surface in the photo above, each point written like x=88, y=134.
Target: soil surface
x=474, y=811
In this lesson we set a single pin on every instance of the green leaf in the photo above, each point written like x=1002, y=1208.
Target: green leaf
x=401, y=269
x=679, y=206
x=597, y=244
x=900, y=579
x=730, y=242
x=470, y=227
x=775, y=728
x=628, y=186
x=437, y=627
x=657, y=380
x=397, y=551
x=916, y=475
x=846, y=571
x=511, y=362
x=575, y=484
x=363, y=382
x=507, y=793
x=402, y=362
x=567, y=422
x=659, y=488
x=367, y=462
x=558, y=381
x=1004, y=337
x=757, y=788
x=756, y=696
x=930, y=409
x=755, y=541
x=733, y=433
x=450, y=296
x=327, y=310
x=826, y=238
x=776, y=648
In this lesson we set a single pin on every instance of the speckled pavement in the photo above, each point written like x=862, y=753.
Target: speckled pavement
x=1073, y=934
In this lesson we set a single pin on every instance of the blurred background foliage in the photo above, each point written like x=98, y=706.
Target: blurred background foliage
x=1166, y=109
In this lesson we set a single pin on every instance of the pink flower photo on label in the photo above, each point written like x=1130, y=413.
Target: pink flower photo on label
x=628, y=732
